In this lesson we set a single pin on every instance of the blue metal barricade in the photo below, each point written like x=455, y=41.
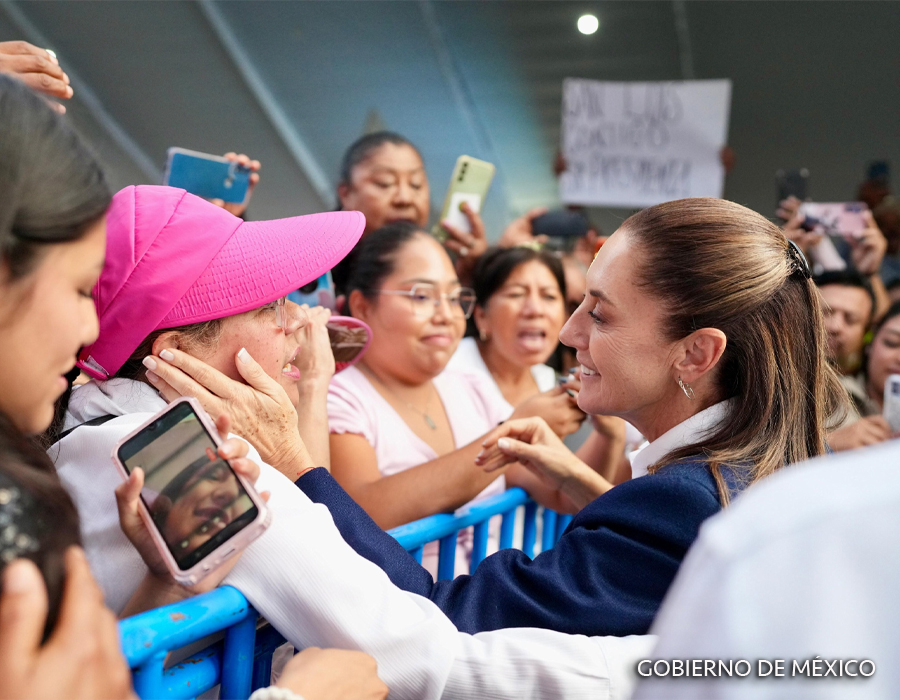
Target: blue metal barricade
x=242, y=661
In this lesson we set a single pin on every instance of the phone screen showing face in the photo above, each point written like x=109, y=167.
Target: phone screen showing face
x=194, y=497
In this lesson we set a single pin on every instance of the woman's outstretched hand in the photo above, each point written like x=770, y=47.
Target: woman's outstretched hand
x=159, y=588
x=558, y=407
x=261, y=410
x=532, y=443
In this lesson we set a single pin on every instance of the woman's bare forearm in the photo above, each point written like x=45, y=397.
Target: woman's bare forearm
x=312, y=421
x=439, y=486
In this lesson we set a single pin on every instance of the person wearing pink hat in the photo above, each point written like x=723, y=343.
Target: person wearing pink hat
x=175, y=260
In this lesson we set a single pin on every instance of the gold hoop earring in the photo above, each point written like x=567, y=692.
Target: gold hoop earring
x=686, y=388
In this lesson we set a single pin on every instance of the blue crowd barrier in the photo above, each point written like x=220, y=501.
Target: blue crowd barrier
x=242, y=661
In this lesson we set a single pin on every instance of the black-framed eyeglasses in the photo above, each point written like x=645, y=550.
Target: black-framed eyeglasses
x=425, y=298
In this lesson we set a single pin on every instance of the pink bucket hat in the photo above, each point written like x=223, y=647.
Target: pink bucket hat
x=173, y=259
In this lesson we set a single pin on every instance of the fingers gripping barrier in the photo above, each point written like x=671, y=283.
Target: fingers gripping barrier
x=241, y=659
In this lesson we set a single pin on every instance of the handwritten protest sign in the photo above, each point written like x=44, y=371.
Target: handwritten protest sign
x=639, y=144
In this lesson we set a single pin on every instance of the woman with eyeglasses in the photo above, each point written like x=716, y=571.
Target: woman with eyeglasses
x=404, y=430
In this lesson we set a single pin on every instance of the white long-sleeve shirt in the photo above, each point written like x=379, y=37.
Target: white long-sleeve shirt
x=313, y=588
x=804, y=565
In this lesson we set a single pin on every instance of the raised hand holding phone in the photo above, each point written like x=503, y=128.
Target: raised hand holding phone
x=868, y=247
x=227, y=181
x=197, y=506
x=460, y=228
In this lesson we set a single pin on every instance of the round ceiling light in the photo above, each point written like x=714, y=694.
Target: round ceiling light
x=588, y=24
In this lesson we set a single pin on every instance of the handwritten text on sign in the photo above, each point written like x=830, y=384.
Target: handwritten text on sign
x=639, y=144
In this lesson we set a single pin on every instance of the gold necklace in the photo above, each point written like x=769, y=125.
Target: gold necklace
x=429, y=421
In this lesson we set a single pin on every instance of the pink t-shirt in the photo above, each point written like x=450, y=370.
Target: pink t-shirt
x=354, y=406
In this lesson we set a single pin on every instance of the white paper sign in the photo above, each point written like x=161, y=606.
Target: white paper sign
x=639, y=144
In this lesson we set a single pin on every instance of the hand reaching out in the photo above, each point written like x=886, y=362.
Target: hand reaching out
x=519, y=230
x=535, y=446
x=261, y=410
x=869, y=430
x=37, y=68
x=558, y=407
x=333, y=674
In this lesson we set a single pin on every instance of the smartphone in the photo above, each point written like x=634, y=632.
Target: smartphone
x=845, y=219
x=198, y=509
x=792, y=183
x=469, y=184
x=892, y=402
x=561, y=223
x=319, y=292
x=206, y=175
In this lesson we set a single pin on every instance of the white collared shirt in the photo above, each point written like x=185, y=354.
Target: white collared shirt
x=688, y=432
x=803, y=567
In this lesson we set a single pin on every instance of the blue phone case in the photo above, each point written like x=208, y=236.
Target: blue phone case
x=208, y=176
x=320, y=292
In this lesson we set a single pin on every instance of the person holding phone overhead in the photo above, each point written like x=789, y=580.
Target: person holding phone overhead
x=383, y=176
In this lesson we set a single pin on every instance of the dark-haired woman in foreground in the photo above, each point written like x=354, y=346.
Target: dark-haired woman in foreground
x=702, y=328
x=57, y=638
x=52, y=237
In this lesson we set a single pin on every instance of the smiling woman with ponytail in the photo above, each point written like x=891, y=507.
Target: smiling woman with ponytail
x=702, y=328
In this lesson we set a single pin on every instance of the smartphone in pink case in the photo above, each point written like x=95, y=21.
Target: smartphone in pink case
x=198, y=509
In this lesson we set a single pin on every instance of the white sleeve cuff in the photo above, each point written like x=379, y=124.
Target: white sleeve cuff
x=273, y=692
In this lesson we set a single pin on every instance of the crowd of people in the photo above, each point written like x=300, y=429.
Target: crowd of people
x=641, y=382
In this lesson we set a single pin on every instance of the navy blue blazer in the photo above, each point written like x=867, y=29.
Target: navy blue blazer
x=607, y=575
